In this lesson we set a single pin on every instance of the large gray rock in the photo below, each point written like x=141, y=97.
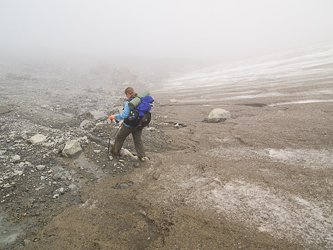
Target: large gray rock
x=218, y=115
x=71, y=149
x=86, y=124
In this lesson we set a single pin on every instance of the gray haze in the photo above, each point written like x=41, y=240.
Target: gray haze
x=207, y=29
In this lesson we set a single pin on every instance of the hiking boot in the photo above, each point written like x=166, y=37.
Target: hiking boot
x=143, y=159
x=114, y=153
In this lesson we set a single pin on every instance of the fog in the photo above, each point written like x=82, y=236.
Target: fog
x=193, y=29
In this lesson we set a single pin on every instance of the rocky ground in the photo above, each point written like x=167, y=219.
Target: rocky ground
x=259, y=180
x=37, y=182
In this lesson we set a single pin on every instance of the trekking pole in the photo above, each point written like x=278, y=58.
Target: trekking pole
x=109, y=143
x=117, y=129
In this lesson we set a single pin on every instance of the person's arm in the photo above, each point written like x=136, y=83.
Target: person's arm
x=125, y=113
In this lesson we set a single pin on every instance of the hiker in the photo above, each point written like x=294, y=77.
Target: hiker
x=131, y=125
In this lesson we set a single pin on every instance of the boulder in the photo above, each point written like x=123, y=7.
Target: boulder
x=71, y=148
x=218, y=115
x=86, y=124
x=36, y=139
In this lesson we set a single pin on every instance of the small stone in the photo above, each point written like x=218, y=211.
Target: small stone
x=18, y=172
x=57, y=176
x=151, y=129
x=62, y=190
x=156, y=176
x=72, y=186
x=15, y=158
x=36, y=139
x=86, y=124
x=40, y=167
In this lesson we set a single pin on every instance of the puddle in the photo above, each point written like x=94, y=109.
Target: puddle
x=83, y=162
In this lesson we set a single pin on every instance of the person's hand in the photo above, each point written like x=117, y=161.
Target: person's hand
x=112, y=117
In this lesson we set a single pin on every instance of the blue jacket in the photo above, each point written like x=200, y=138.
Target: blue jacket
x=125, y=114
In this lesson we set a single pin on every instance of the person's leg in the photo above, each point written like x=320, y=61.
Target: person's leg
x=138, y=143
x=119, y=140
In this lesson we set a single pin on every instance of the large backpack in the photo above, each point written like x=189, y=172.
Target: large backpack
x=140, y=116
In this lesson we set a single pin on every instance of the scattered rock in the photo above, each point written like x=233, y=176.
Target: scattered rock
x=124, y=152
x=40, y=167
x=86, y=124
x=4, y=110
x=156, y=176
x=72, y=186
x=54, y=116
x=150, y=128
x=36, y=139
x=123, y=185
x=173, y=101
x=15, y=158
x=62, y=190
x=218, y=115
x=71, y=148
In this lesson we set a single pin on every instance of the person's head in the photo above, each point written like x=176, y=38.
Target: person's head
x=130, y=93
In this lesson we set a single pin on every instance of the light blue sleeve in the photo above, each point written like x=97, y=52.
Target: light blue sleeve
x=125, y=113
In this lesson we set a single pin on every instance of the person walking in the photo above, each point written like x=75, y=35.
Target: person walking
x=127, y=129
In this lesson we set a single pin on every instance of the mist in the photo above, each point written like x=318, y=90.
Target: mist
x=191, y=29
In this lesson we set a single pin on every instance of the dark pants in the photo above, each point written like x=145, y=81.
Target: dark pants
x=121, y=136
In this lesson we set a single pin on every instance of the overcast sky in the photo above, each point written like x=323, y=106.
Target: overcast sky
x=225, y=29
